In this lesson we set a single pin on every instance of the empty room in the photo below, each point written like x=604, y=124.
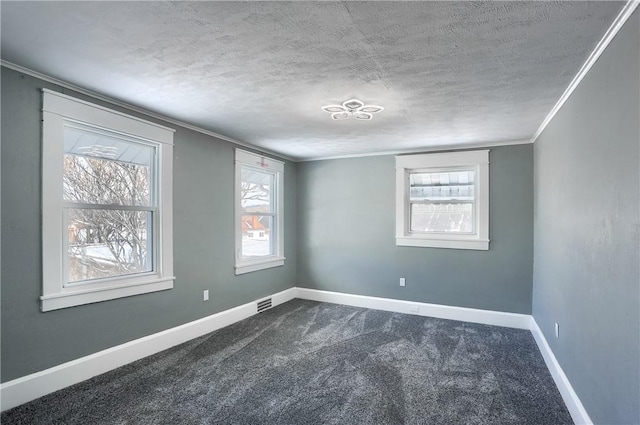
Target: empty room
x=320, y=212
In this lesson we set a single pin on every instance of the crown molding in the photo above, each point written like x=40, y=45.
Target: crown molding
x=137, y=109
x=613, y=30
x=425, y=149
x=615, y=27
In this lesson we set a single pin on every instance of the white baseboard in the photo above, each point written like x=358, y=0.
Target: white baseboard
x=576, y=409
x=487, y=317
x=30, y=387
x=283, y=296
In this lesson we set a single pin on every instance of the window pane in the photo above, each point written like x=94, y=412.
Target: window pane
x=256, y=191
x=442, y=186
x=107, y=243
x=442, y=217
x=256, y=236
x=104, y=169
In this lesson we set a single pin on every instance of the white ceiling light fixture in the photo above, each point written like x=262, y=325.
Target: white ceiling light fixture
x=352, y=108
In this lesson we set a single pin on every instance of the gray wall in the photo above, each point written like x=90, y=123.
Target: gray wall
x=203, y=248
x=587, y=233
x=346, y=231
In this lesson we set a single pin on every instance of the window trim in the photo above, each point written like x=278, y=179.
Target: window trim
x=406, y=164
x=57, y=109
x=260, y=163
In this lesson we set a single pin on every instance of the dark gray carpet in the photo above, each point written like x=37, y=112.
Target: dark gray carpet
x=313, y=363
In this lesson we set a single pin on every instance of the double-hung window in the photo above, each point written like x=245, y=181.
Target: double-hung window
x=107, y=204
x=442, y=200
x=259, y=218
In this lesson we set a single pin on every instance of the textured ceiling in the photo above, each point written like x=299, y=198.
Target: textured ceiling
x=446, y=72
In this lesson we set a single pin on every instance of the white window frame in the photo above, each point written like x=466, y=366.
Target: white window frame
x=275, y=167
x=437, y=162
x=58, y=109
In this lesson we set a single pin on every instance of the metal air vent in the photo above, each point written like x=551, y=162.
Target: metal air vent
x=264, y=305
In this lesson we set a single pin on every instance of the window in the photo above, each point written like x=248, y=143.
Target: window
x=442, y=200
x=106, y=204
x=259, y=221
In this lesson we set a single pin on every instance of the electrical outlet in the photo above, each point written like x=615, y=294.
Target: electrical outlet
x=557, y=330
x=402, y=281
x=205, y=295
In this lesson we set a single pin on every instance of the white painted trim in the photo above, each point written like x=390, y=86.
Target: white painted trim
x=56, y=301
x=78, y=109
x=478, y=160
x=243, y=268
x=259, y=161
x=425, y=149
x=275, y=168
x=282, y=296
x=131, y=107
x=487, y=317
x=30, y=387
x=58, y=109
x=615, y=27
x=613, y=30
x=464, y=314
x=475, y=244
x=576, y=409
x=167, y=119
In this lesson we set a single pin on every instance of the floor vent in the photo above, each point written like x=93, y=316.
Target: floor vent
x=264, y=305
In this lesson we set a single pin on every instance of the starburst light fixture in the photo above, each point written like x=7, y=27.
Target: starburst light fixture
x=352, y=108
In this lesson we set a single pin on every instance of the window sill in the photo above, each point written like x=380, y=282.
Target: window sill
x=475, y=244
x=94, y=295
x=253, y=266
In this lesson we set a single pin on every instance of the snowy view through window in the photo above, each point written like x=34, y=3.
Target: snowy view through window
x=258, y=212
x=442, y=202
x=108, y=194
